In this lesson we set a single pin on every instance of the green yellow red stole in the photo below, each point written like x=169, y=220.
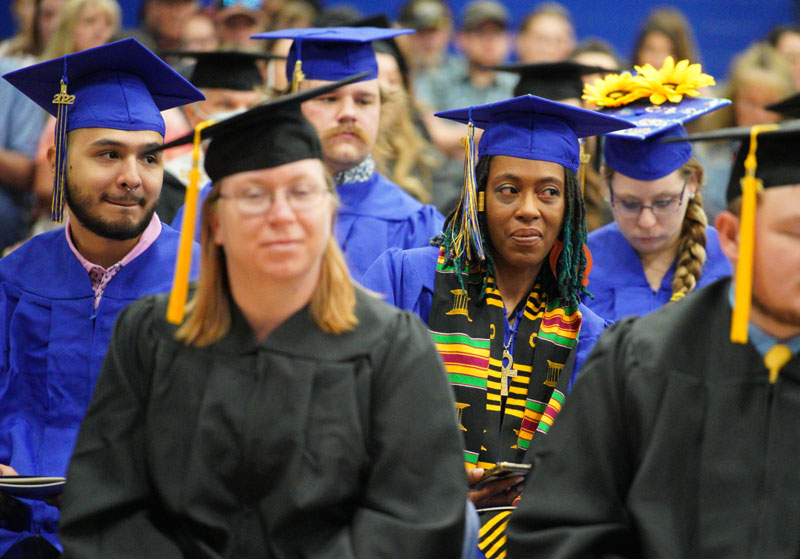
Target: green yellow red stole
x=469, y=335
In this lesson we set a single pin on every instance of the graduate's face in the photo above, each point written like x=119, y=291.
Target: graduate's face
x=647, y=232
x=776, y=259
x=524, y=211
x=113, y=183
x=282, y=243
x=346, y=120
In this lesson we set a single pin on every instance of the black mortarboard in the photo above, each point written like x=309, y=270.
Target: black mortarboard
x=766, y=158
x=235, y=70
x=777, y=149
x=266, y=136
x=552, y=80
x=789, y=107
x=270, y=134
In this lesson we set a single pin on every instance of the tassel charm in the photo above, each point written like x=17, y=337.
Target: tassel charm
x=63, y=100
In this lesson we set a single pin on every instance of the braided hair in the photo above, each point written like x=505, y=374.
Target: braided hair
x=692, y=244
x=692, y=240
x=566, y=281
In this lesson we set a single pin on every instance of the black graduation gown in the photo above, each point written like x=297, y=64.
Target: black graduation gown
x=673, y=444
x=306, y=445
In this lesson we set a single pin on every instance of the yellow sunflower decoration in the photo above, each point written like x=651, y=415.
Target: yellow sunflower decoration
x=672, y=81
x=614, y=90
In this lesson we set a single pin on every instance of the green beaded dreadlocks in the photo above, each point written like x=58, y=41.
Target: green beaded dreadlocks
x=566, y=281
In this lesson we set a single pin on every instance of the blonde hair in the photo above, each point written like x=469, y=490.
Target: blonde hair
x=692, y=240
x=400, y=152
x=209, y=311
x=758, y=63
x=62, y=41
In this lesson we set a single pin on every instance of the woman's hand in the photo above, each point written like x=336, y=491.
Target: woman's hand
x=499, y=493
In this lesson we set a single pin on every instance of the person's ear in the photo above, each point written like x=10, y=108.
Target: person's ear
x=51, y=158
x=727, y=226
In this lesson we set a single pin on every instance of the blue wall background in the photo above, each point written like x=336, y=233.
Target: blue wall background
x=722, y=27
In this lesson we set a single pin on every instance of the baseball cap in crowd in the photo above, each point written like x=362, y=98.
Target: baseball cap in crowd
x=424, y=14
x=478, y=12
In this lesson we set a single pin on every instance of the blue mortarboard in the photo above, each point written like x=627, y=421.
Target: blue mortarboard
x=531, y=127
x=527, y=127
x=121, y=85
x=639, y=152
x=331, y=53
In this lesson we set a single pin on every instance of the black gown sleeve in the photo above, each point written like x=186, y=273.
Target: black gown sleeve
x=573, y=504
x=107, y=509
x=415, y=493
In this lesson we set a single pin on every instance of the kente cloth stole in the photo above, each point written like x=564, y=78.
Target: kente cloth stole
x=469, y=336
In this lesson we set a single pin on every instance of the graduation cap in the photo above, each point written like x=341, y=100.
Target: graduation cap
x=386, y=46
x=268, y=135
x=235, y=70
x=531, y=127
x=789, y=107
x=766, y=158
x=121, y=85
x=527, y=127
x=331, y=53
x=552, y=80
x=640, y=152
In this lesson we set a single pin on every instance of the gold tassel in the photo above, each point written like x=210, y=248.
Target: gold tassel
x=297, y=76
x=62, y=99
x=585, y=158
x=777, y=356
x=751, y=186
x=176, y=309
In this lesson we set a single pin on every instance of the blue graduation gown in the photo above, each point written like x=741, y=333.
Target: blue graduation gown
x=406, y=278
x=617, y=280
x=177, y=221
x=52, y=345
x=376, y=215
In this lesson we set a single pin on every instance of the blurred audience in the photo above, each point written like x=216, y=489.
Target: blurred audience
x=595, y=51
x=546, y=34
x=665, y=32
x=236, y=21
x=786, y=38
x=425, y=50
x=758, y=77
x=162, y=23
x=199, y=33
x=81, y=25
x=483, y=40
x=20, y=125
x=22, y=44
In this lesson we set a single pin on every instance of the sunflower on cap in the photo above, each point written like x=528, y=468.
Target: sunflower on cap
x=669, y=83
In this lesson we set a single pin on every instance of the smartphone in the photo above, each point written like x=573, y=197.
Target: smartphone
x=502, y=470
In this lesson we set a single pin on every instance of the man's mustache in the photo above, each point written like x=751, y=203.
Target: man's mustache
x=345, y=128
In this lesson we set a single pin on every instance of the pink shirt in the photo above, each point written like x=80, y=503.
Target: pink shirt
x=101, y=276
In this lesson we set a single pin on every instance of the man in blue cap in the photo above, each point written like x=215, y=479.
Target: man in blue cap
x=61, y=291
x=375, y=214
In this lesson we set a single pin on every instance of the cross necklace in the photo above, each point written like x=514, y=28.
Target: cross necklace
x=510, y=335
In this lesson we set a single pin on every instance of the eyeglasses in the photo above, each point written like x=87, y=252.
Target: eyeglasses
x=256, y=201
x=660, y=208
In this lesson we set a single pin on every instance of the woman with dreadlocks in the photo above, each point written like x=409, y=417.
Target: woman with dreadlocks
x=501, y=294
